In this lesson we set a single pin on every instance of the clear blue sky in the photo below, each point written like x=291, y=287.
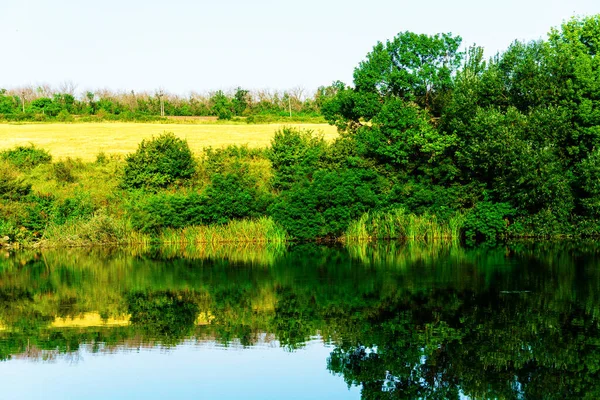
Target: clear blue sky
x=185, y=45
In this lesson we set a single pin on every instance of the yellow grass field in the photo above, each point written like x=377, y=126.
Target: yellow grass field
x=86, y=140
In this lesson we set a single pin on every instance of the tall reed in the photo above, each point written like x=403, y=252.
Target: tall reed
x=103, y=229
x=397, y=224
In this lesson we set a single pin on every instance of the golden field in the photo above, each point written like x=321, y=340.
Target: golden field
x=86, y=140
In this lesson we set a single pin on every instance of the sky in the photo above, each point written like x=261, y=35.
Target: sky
x=195, y=45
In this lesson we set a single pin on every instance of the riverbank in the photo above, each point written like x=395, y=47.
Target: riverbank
x=299, y=188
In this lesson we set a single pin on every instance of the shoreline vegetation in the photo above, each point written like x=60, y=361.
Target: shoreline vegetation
x=434, y=144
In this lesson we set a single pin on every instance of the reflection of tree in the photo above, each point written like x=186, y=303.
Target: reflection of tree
x=487, y=345
x=295, y=318
x=168, y=316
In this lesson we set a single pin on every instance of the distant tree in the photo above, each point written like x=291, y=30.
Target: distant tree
x=240, y=101
x=222, y=105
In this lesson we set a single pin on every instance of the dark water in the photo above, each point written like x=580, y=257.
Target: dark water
x=305, y=322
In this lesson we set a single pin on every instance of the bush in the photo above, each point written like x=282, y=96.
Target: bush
x=39, y=212
x=26, y=156
x=159, y=162
x=7, y=229
x=233, y=196
x=154, y=212
x=78, y=207
x=43, y=209
x=101, y=158
x=295, y=154
x=324, y=207
x=63, y=172
x=64, y=116
x=488, y=221
x=12, y=188
x=228, y=197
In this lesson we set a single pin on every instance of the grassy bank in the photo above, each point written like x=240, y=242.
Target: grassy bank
x=300, y=188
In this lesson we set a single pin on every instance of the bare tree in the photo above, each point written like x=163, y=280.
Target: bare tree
x=160, y=93
x=68, y=87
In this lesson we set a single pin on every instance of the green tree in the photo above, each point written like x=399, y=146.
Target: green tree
x=221, y=105
x=159, y=162
x=240, y=101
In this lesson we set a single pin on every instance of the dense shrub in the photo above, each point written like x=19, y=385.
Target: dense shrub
x=233, y=196
x=150, y=213
x=228, y=197
x=488, y=221
x=324, y=207
x=11, y=187
x=78, y=207
x=43, y=209
x=63, y=172
x=159, y=162
x=39, y=210
x=7, y=230
x=26, y=156
x=295, y=154
x=219, y=160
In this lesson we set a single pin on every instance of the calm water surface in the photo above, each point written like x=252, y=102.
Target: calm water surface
x=305, y=322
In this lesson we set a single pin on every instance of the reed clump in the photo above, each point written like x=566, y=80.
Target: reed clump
x=103, y=229
x=259, y=230
x=398, y=224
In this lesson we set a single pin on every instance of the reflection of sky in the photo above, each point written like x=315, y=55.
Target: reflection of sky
x=204, y=371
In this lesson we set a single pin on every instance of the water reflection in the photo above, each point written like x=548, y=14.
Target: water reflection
x=403, y=321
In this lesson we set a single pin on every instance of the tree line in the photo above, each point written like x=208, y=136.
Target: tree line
x=45, y=103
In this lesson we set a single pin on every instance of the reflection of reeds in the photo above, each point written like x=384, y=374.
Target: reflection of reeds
x=399, y=255
x=262, y=253
x=397, y=224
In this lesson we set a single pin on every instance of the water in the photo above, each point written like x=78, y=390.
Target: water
x=305, y=322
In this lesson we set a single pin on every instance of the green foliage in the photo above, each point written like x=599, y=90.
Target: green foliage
x=45, y=209
x=150, y=213
x=410, y=67
x=101, y=158
x=64, y=116
x=39, y=209
x=488, y=221
x=232, y=196
x=26, y=156
x=63, y=171
x=72, y=208
x=44, y=106
x=402, y=135
x=397, y=224
x=159, y=162
x=229, y=196
x=240, y=101
x=7, y=229
x=12, y=187
x=324, y=207
x=222, y=106
x=294, y=154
